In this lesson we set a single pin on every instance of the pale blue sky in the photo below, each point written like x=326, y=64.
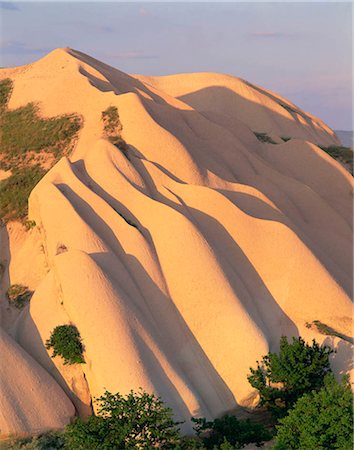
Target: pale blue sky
x=301, y=50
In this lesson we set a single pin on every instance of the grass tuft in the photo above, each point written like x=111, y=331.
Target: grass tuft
x=5, y=92
x=15, y=190
x=30, y=145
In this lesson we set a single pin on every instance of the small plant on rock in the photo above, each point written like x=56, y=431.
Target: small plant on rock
x=264, y=137
x=19, y=295
x=66, y=342
x=113, y=129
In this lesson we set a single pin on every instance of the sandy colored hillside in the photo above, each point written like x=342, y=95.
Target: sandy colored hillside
x=181, y=260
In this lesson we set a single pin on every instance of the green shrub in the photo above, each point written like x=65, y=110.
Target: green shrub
x=110, y=119
x=138, y=420
x=113, y=128
x=47, y=441
x=263, y=137
x=320, y=420
x=19, y=295
x=229, y=431
x=66, y=342
x=341, y=154
x=190, y=443
x=281, y=379
x=15, y=190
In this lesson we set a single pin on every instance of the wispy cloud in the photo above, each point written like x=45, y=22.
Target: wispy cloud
x=20, y=48
x=10, y=6
x=270, y=34
x=132, y=55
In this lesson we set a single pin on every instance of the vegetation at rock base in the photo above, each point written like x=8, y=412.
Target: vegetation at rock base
x=318, y=413
x=281, y=379
x=137, y=420
x=46, y=441
x=229, y=430
x=320, y=420
x=66, y=342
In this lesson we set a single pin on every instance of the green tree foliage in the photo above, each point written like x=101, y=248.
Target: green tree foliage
x=320, y=420
x=283, y=378
x=66, y=342
x=138, y=420
x=229, y=432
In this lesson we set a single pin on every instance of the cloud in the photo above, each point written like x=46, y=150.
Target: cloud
x=20, y=48
x=9, y=6
x=270, y=34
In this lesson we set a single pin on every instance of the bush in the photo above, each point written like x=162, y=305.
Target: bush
x=19, y=295
x=113, y=128
x=138, y=420
x=320, y=420
x=229, y=431
x=263, y=137
x=48, y=441
x=111, y=121
x=282, y=379
x=66, y=342
x=342, y=154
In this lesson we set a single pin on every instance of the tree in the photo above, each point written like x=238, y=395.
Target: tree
x=138, y=420
x=229, y=432
x=66, y=342
x=320, y=420
x=283, y=378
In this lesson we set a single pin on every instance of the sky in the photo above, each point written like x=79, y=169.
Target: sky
x=302, y=50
